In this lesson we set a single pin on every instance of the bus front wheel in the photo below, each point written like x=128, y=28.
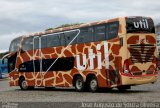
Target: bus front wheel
x=79, y=84
x=23, y=85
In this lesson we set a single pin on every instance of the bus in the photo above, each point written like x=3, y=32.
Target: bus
x=116, y=53
x=3, y=68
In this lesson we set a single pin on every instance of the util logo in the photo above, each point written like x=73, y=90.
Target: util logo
x=141, y=24
x=92, y=56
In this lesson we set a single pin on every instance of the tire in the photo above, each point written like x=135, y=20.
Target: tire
x=92, y=84
x=23, y=85
x=79, y=84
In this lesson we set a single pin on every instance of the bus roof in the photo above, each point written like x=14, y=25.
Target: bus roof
x=71, y=27
x=77, y=26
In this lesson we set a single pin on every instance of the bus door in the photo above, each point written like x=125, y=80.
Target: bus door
x=37, y=61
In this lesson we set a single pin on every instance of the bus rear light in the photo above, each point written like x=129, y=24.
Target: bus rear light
x=156, y=68
x=126, y=67
x=126, y=71
x=157, y=64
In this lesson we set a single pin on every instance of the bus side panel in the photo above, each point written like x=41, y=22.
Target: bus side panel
x=101, y=78
x=13, y=78
x=115, y=63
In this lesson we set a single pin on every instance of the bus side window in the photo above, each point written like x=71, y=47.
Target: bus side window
x=100, y=33
x=27, y=44
x=107, y=31
x=113, y=30
x=14, y=46
x=86, y=35
x=36, y=43
x=53, y=40
x=69, y=36
x=43, y=42
x=62, y=38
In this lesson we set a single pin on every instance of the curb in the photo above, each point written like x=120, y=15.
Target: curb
x=3, y=79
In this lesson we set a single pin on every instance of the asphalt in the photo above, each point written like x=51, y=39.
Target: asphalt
x=67, y=97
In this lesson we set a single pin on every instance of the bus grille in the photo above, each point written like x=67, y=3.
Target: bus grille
x=142, y=53
x=137, y=73
x=149, y=72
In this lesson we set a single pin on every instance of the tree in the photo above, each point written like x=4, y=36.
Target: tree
x=158, y=28
x=64, y=25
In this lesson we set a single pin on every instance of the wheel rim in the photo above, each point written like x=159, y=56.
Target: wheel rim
x=24, y=85
x=93, y=85
x=79, y=84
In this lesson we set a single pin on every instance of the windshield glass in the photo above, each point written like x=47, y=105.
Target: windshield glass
x=139, y=25
x=15, y=44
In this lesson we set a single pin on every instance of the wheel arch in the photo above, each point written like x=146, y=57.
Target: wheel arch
x=74, y=78
x=20, y=78
x=89, y=76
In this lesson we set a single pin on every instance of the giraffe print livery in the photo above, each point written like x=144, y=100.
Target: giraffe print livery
x=127, y=59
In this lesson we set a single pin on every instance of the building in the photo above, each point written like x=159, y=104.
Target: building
x=158, y=27
x=158, y=36
x=3, y=68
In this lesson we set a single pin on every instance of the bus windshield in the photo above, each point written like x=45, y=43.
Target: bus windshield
x=139, y=25
x=15, y=45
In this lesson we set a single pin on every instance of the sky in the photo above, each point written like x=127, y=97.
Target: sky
x=22, y=17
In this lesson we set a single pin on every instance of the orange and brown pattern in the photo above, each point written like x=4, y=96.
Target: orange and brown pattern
x=135, y=50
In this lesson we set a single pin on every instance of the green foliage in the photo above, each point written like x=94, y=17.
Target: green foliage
x=49, y=29
x=158, y=27
x=64, y=25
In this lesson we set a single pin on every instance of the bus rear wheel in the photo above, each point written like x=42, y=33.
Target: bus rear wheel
x=92, y=84
x=79, y=84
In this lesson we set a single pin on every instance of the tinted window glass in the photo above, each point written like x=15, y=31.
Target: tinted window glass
x=53, y=40
x=36, y=43
x=69, y=36
x=15, y=44
x=112, y=29
x=12, y=62
x=100, y=33
x=27, y=44
x=62, y=36
x=62, y=64
x=43, y=42
x=140, y=25
x=86, y=35
x=107, y=31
